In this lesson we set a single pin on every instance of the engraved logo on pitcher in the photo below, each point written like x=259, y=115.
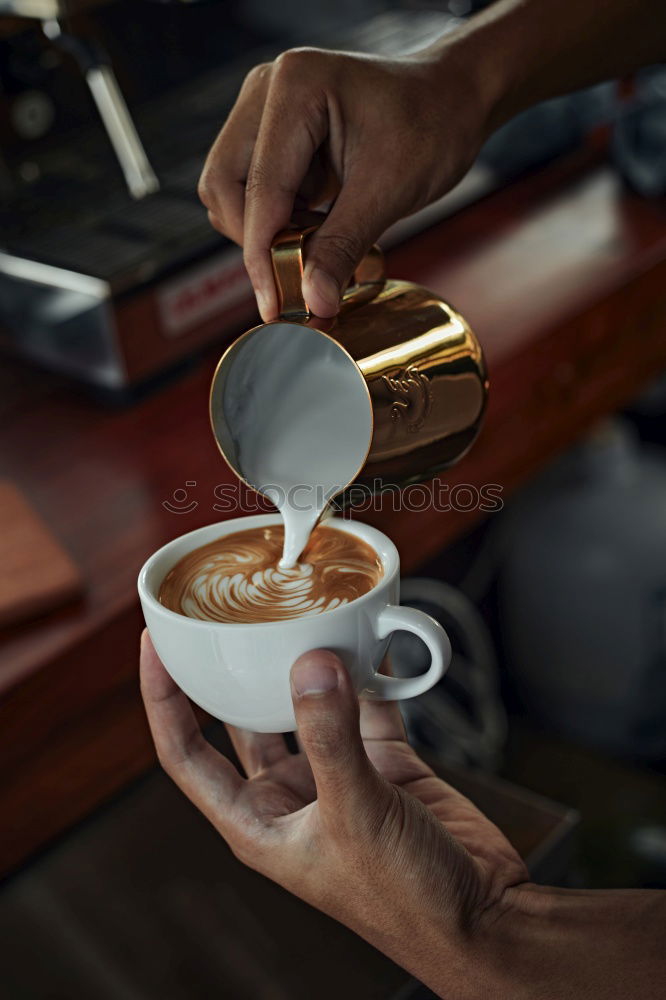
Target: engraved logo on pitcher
x=412, y=397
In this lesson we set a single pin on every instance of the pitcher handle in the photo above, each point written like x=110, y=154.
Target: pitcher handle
x=287, y=258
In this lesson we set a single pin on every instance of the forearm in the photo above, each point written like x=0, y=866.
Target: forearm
x=520, y=52
x=556, y=944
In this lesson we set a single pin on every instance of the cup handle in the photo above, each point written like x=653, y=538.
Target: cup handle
x=395, y=619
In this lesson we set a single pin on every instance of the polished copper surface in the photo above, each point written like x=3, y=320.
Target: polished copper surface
x=427, y=380
x=421, y=362
x=287, y=259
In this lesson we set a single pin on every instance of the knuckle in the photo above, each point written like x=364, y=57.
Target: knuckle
x=345, y=249
x=258, y=178
x=298, y=63
x=326, y=741
x=205, y=190
x=173, y=758
x=262, y=182
x=257, y=75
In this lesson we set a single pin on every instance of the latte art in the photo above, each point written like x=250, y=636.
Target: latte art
x=236, y=578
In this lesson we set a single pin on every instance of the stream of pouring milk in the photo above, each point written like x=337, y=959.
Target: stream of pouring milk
x=301, y=423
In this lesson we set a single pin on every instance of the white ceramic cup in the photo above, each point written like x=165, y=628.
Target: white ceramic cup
x=239, y=673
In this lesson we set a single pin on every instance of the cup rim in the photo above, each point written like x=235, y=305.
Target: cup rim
x=382, y=545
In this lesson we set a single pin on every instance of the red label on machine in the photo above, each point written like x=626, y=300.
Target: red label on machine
x=202, y=292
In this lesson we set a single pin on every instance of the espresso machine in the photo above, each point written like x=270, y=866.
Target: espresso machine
x=109, y=269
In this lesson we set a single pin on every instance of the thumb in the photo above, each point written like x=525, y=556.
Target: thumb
x=327, y=714
x=336, y=249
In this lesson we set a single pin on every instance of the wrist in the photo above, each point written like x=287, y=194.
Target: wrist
x=539, y=940
x=494, y=56
x=469, y=957
x=466, y=65
x=498, y=61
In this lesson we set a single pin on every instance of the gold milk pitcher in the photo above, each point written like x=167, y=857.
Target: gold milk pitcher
x=417, y=358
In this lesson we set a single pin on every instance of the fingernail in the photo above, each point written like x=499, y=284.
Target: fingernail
x=325, y=288
x=314, y=677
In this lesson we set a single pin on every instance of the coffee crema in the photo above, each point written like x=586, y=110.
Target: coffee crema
x=236, y=578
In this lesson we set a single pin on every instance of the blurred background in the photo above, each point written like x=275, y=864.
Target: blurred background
x=116, y=298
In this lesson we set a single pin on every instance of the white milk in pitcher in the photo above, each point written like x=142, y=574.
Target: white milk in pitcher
x=299, y=420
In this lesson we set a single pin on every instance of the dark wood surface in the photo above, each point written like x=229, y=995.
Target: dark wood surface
x=36, y=574
x=562, y=276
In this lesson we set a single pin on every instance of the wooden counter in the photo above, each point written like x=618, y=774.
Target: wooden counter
x=562, y=275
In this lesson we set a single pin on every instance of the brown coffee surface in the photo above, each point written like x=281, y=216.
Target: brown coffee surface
x=236, y=578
